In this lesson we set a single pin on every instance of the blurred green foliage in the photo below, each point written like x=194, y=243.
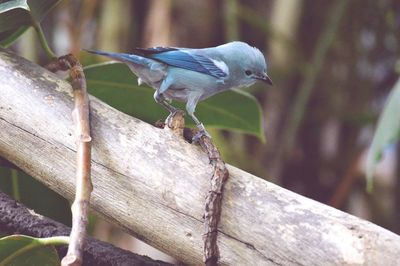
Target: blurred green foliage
x=35, y=195
x=387, y=132
x=20, y=250
x=17, y=15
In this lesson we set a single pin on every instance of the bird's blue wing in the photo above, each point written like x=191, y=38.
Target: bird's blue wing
x=183, y=59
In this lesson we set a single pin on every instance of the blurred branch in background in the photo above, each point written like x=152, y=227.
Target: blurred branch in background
x=296, y=112
x=158, y=28
x=230, y=10
x=345, y=185
x=114, y=25
x=285, y=16
x=80, y=14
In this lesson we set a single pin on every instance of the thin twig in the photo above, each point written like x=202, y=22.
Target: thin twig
x=80, y=115
x=213, y=204
x=347, y=182
x=50, y=54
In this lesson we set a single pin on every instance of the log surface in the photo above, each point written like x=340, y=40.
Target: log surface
x=153, y=184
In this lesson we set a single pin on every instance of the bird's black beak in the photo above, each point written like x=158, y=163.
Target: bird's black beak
x=265, y=78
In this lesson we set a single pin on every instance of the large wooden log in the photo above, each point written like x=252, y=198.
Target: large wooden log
x=153, y=184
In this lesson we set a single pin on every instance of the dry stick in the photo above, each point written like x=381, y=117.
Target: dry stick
x=346, y=183
x=212, y=213
x=213, y=204
x=84, y=187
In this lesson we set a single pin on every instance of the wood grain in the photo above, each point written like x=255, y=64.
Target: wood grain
x=153, y=184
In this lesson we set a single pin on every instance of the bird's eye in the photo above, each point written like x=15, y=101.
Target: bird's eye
x=248, y=72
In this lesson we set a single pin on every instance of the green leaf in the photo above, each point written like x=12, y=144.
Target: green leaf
x=387, y=132
x=40, y=8
x=9, y=37
x=25, y=250
x=13, y=14
x=116, y=85
x=17, y=15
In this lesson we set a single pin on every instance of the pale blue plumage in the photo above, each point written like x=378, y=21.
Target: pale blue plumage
x=192, y=75
x=184, y=59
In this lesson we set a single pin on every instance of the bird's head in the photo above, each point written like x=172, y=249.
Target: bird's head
x=250, y=64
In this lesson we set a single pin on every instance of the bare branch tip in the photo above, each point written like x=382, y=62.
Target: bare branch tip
x=71, y=260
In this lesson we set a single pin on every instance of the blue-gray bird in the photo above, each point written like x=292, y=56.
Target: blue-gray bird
x=192, y=75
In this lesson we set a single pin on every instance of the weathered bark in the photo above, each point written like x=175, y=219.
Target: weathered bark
x=153, y=184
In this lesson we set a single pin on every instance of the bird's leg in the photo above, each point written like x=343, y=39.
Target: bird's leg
x=160, y=99
x=172, y=110
x=200, y=126
x=190, y=108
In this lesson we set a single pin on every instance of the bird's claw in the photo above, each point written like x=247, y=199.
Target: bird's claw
x=201, y=133
x=171, y=116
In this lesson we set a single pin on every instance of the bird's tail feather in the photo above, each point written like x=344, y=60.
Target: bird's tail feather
x=127, y=58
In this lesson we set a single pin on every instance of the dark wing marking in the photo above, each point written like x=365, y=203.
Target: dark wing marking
x=183, y=59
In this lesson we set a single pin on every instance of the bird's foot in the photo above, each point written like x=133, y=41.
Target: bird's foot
x=201, y=133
